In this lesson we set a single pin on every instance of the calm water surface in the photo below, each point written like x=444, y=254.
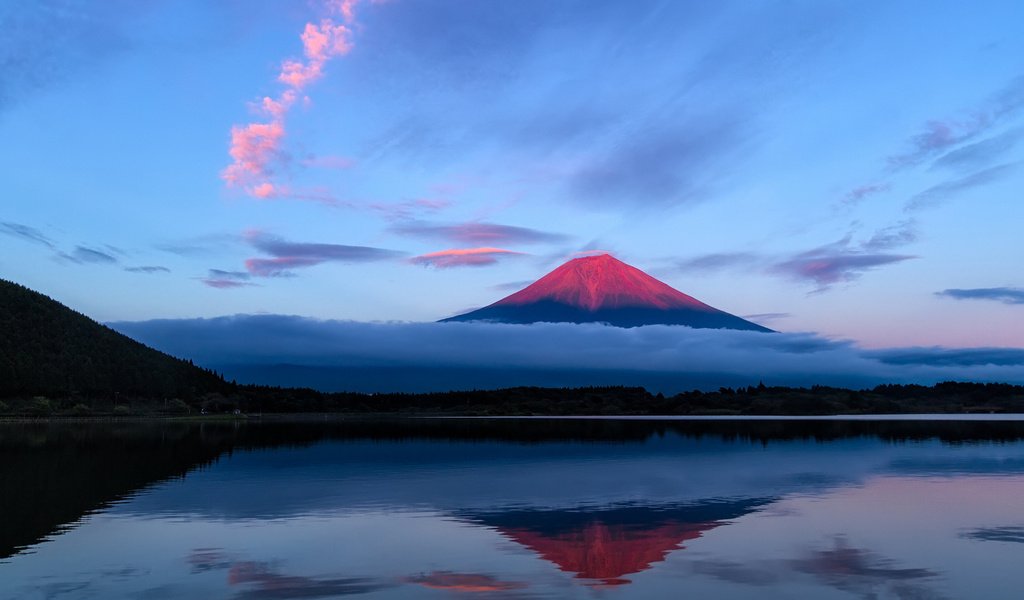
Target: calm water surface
x=513, y=509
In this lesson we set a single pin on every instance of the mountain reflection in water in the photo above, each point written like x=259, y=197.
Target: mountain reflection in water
x=511, y=508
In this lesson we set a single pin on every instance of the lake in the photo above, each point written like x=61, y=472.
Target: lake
x=513, y=508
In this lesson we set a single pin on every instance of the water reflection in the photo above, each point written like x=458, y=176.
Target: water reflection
x=512, y=509
x=605, y=545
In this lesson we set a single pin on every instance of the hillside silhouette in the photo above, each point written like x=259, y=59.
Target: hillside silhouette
x=48, y=349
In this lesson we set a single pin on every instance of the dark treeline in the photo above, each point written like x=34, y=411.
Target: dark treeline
x=950, y=397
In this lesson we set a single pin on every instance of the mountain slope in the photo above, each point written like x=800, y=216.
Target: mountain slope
x=604, y=289
x=48, y=349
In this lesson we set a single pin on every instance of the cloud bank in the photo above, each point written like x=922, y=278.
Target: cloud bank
x=381, y=357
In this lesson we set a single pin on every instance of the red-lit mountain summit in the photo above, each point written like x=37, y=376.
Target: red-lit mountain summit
x=603, y=289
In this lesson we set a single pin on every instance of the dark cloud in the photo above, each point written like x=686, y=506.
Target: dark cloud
x=936, y=194
x=25, y=232
x=662, y=165
x=1011, y=534
x=980, y=154
x=478, y=233
x=149, y=269
x=951, y=357
x=222, y=280
x=83, y=254
x=1006, y=295
x=452, y=355
x=286, y=256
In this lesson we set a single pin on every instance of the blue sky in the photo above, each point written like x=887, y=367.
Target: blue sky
x=848, y=169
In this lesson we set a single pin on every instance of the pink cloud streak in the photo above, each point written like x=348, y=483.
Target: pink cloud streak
x=256, y=147
x=462, y=257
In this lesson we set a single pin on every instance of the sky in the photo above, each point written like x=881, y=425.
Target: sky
x=849, y=170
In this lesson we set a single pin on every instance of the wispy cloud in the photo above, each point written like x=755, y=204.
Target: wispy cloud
x=765, y=317
x=826, y=269
x=842, y=261
x=1006, y=295
x=937, y=194
x=938, y=136
x=719, y=261
x=286, y=256
x=329, y=162
x=663, y=166
x=147, y=269
x=475, y=232
x=408, y=209
x=25, y=232
x=942, y=135
x=84, y=254
x=223, y=280
x=256, y=148
x=861, y=192
x=980, y=154
x=834, y=263
x=893, y=236
x=201, y=245
x=950, y=142
x=463, y=257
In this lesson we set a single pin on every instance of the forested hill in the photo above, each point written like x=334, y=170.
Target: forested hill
x=47, y=349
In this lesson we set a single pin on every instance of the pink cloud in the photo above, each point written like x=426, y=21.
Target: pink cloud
x=255, y=147
x=278, y=108
x=462, y=257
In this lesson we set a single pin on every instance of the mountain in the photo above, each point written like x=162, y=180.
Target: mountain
x=603, y=289
x=47, y=349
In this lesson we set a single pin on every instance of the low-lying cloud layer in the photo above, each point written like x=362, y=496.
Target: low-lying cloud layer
x=340, y=355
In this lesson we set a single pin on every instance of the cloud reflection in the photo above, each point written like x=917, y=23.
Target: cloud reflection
x=464, y=582
x=260, y=580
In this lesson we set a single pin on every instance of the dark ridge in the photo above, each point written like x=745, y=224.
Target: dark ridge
x=47, y=349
